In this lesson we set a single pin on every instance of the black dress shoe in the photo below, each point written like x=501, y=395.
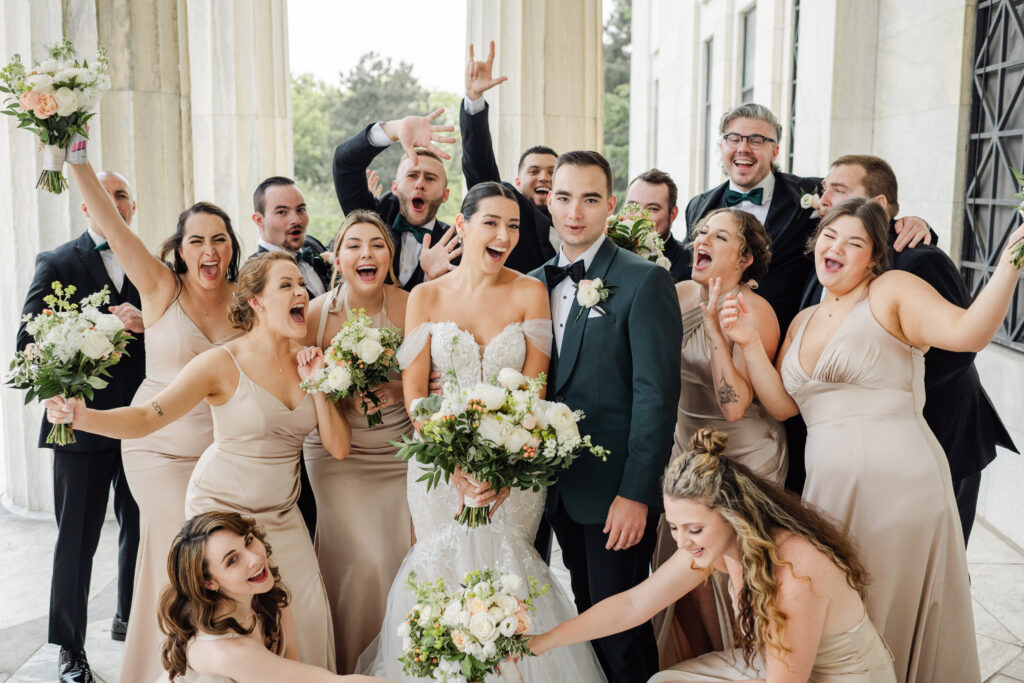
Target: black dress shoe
x=74, y=667
x=118, y=629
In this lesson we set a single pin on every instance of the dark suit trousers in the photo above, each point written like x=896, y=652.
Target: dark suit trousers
x=81, y=484
x=966, y=491
x=597, y=573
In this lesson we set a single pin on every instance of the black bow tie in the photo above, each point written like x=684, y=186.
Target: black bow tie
x=555, y=274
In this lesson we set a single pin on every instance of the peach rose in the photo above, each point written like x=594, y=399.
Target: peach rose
x=29, y=100
x=524, y=622
x=459, y=640
x=46, y=107
x=475, y=605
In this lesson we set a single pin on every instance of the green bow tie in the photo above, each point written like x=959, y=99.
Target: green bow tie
x=402, y=225
x=732, y=197
x=102, y=247
x=306, y=254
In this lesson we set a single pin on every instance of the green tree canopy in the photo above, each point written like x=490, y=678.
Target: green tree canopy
x=617, y=42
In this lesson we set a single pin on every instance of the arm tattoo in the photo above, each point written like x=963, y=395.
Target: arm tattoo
x=726, y=393
x=158, y=409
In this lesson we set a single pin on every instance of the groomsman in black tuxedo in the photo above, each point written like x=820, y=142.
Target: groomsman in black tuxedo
x=749, y=145
x=425, y=248
x=956, y=408
x=538, y=240
x=655, y=191
x=618, y=362
x=85, y=471
x=279, y=211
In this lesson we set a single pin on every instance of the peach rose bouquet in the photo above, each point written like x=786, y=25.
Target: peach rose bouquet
x=462, y=635
x=54, y=100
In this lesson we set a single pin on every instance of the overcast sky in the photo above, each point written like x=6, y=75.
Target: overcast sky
x=326, y=37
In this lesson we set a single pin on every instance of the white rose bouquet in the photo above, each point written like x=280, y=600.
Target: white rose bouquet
x=54, y=100
x=503, y=434
x=457, y=636
x=359, y=358
x=74, y=346
x=634, y=230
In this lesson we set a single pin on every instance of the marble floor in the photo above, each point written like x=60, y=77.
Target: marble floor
x=997, y=574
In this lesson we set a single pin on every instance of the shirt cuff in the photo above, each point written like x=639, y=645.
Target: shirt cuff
x=377, y=136
x=473, y=106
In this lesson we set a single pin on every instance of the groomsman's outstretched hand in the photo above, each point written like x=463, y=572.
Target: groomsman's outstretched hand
x=479, y=75
x=419, y=131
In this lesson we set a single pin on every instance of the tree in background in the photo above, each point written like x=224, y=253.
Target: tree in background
x=323, y=116
x=617, y=40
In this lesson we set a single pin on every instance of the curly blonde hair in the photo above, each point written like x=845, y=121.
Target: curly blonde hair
x=252, y=280
x=756, y=509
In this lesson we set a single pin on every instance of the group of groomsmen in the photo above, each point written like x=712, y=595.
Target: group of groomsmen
x=957, y=408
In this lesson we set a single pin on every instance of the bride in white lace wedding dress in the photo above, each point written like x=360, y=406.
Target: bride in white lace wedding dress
x=479, y=300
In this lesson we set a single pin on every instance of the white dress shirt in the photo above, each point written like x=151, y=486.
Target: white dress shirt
x=314, y=285
x=760, y=212
x=564, y=292
x=114, y=269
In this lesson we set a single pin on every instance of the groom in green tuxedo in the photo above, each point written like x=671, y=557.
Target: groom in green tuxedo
x=617, y=359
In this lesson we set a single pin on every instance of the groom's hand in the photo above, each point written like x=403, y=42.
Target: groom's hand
x=626, y=522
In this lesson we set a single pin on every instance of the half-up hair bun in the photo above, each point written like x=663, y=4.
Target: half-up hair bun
x=707, y=440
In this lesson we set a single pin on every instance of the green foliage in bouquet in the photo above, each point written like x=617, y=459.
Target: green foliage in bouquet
x=74, y=347
x=633, y=229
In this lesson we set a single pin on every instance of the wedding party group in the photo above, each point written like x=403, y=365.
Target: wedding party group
x=758, y=449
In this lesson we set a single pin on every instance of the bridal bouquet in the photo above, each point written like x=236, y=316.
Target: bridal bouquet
x=634, y=231
x=54, y=100
x=503, y=434
x=457, y=636
x=74, y=346
x=1018, y=252
x=359, y=358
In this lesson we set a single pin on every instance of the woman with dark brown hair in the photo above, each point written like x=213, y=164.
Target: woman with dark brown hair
x=261, y=416
x=795, y=577
x=853, y=366
x=184, y=313
x=225, y=612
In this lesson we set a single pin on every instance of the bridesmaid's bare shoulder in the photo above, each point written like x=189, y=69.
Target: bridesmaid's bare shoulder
x=398, y=301
x=687, y=292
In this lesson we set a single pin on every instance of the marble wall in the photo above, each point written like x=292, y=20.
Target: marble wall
x=198, y=110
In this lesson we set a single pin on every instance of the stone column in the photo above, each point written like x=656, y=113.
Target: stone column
x=199, y=109
x=553, y=54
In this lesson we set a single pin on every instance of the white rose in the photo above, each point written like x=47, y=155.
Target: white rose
x=371, y=333
x=664, y=262
x=452, y=614
x=587, y=294
x=67, y=101
x=511, y=379
x=510, y=583
x=496, y=613
x=508, y=626
x=369, y=350
x=515, y=439
x=339, y=378
x=403, y=630
x=41, y=83
x=507, y=603
x=108, y=324
x=425, y=614
x=643, y=252
x=493, y=430
x=651, y=241
x=89, y=98
x=492, y=397
x=528, y=421
x=95, y=345
x=540, y=411
x=561, y=418
x=483, y=628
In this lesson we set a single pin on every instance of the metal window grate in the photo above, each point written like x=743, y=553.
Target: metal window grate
x=792, y=87
x=995, y=144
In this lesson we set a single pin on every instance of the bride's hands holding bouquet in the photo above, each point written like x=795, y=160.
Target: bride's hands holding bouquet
x=481, y=492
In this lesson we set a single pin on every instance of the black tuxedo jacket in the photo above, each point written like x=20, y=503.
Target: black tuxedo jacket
x=956, y=407
x=323, y=269
x=789, y=227
x=78, y=263
x=680, y=258
x=534, y=249
x=351, y=159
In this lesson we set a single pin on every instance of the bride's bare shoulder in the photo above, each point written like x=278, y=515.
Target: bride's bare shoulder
x=528, y=284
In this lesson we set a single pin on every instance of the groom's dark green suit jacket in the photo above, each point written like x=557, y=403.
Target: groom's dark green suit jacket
x=622, y=370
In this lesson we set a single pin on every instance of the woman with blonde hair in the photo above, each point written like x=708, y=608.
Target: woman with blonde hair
x=225, y=612
x=261, y=416
x=795, y=577
x=360, y=553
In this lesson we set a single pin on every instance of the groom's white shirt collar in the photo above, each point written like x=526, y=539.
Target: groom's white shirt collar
x=587, y=256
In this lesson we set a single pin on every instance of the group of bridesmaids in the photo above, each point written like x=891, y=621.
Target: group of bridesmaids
x=230, y=336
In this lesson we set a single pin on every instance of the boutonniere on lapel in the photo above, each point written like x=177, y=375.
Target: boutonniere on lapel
x=328, y=258
x=591, y=293
x=811, y=200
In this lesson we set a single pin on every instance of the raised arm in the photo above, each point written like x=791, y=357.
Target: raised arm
x=740, y=326
x=335, y=434
x=478, y=163
x=205, y=376
x=926, y=319
x=154, y=280
x=673, y=579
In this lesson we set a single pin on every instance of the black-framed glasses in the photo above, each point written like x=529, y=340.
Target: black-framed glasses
x=734, y=140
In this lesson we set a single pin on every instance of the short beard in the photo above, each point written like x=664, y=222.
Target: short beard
x=405, y=208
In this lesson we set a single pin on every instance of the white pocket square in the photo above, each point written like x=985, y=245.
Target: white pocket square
x=596, y=312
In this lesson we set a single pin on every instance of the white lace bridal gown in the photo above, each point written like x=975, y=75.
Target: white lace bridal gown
x=446, y=548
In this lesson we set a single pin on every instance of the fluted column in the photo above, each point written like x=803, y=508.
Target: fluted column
x=552, y=53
